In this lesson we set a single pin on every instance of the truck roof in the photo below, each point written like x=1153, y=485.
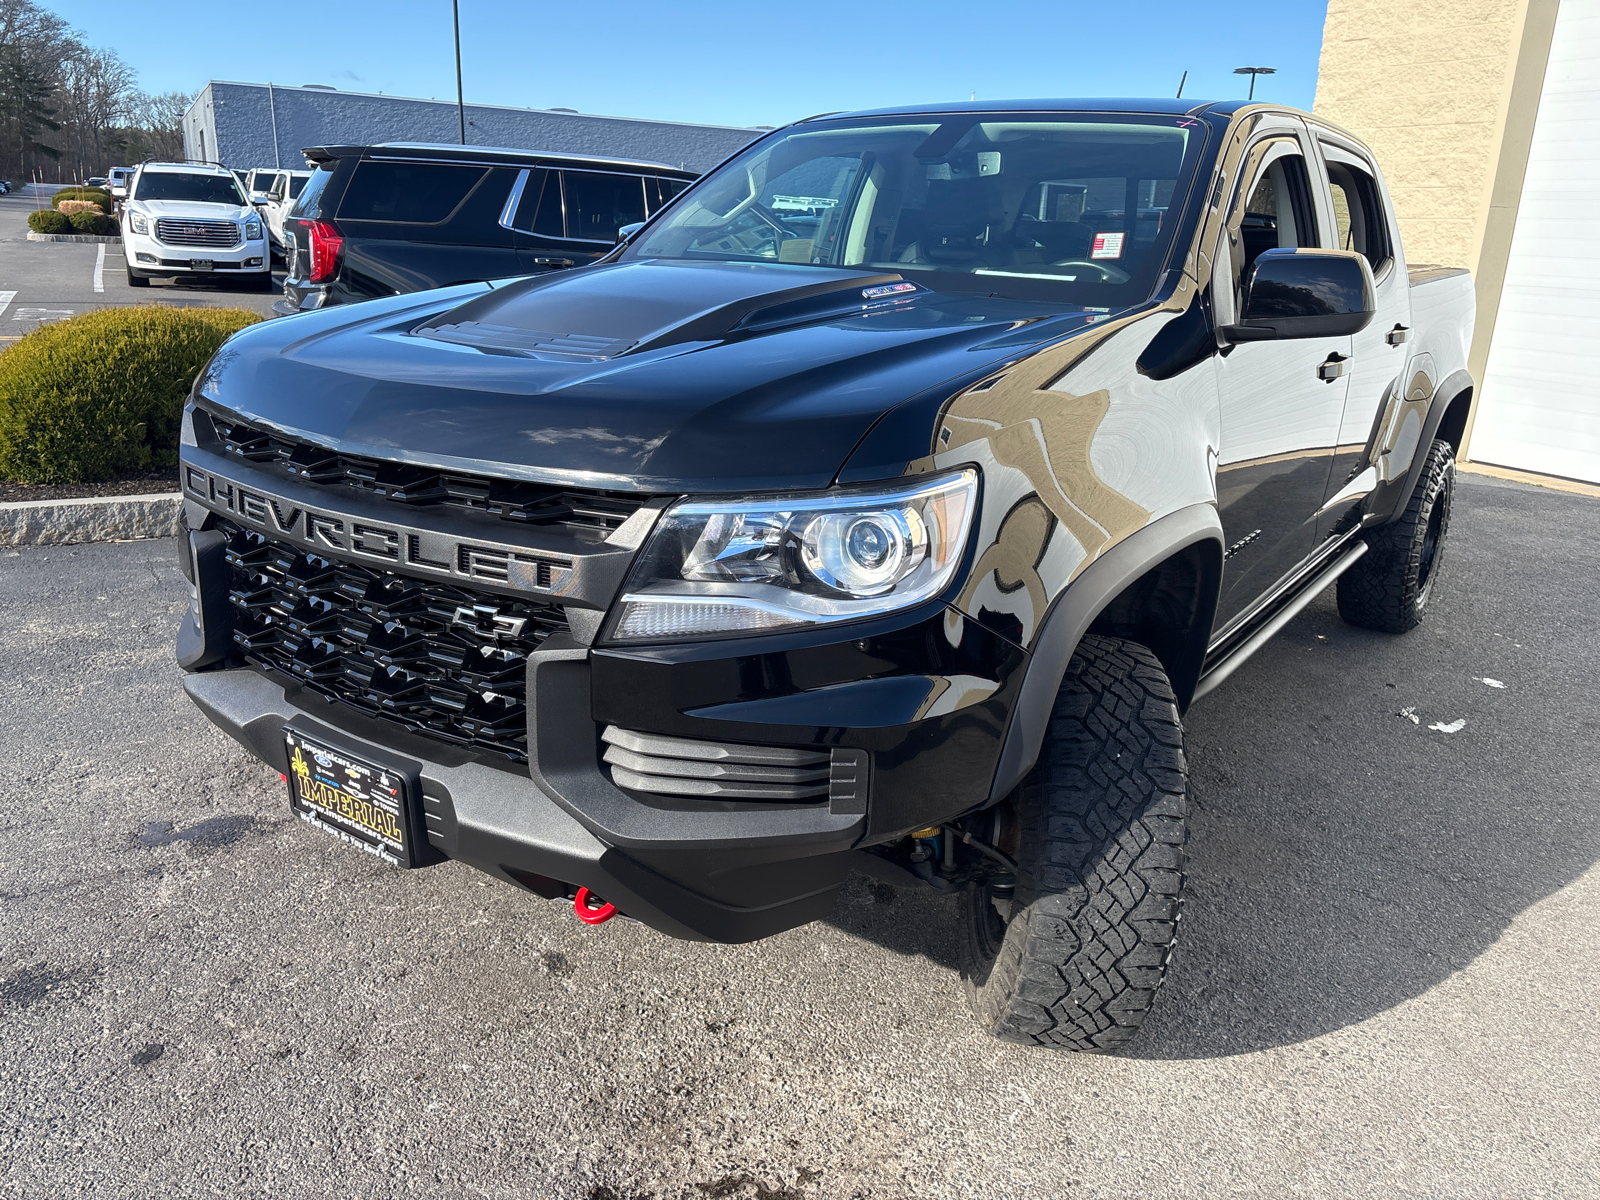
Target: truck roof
x=1115, y=104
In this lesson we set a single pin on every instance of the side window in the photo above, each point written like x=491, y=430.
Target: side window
x=598, y=203
x=539, y=210
x=1277, y=214
x=410, y=193
x=660, y=192
x=1358, y=214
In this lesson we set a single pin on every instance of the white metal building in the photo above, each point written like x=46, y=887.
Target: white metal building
x=1540, y=406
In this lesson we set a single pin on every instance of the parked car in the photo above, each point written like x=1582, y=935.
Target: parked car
x=274, y=192
x=384, y=220
x=117, y=182
x=879, y=506
x=187, y=219
x=95, y=181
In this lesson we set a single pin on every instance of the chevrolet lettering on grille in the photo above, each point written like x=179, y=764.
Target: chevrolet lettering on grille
x=404, y=548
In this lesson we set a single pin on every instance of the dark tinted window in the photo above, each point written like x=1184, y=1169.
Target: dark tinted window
x=412, y=193
x=311, y=195
x=202, y=189
x=296, y=186
x=600, y=204
x=539, y=210
x=660, y=191
x=1358, y=214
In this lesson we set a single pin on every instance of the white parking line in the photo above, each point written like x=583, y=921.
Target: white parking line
x=100, y=269
x=5, y=301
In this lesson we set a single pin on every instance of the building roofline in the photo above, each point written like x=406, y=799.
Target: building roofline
x=286, y=87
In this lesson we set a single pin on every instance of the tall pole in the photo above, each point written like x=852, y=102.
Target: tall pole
x=461, y=106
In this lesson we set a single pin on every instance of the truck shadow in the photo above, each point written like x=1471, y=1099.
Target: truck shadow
x=1345, y=860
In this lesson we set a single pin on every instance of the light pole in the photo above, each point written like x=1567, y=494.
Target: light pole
x=461, y=107
x=1250, y=71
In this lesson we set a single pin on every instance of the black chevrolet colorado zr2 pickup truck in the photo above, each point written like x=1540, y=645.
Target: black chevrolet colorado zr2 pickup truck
x=879, y=505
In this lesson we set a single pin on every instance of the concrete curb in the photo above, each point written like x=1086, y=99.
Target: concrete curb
x=95, y=519
x=74, y=237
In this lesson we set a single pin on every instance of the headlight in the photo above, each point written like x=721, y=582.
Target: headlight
x=724, y=568
x=252, y=230
x=140, y=225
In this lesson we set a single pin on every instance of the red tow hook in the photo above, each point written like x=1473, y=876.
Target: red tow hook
x=592, y=916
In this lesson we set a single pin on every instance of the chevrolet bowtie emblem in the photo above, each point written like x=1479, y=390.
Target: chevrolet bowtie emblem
x=486, y=619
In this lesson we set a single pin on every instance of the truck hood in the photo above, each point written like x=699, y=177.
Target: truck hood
x=639, y=376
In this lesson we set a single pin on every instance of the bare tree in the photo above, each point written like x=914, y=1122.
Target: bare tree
x=62, y=100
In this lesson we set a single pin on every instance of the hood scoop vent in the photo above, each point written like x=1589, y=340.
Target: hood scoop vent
x=507, y=339
x=646, y=306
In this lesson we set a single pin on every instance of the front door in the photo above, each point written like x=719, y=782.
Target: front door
x=1280, y=416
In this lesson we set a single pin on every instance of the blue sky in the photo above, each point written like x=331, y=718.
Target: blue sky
x=720, y=61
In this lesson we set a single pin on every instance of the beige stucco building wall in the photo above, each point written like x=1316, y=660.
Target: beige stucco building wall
x=1427, y=85
x=1446, y=93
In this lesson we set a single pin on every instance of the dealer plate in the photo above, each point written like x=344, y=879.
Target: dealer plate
x=362, y=803
x=202, y=264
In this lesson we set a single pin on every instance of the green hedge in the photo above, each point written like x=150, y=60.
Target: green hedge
x=48, y=220
x=93, y=222
x=97, y=195
x=102, y=394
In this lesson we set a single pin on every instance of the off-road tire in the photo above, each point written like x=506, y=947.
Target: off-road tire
x=1100, y=864
x=1388, y=587
x=136, y=280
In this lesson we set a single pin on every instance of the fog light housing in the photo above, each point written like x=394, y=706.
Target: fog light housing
x=146, y=258
x=252, y=262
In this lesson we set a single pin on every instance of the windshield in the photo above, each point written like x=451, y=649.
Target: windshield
x=202, y=189
x=1031, y=207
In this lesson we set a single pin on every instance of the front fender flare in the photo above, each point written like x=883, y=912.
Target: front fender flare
x=1071, y=615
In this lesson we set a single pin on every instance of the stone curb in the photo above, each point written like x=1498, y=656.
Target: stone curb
x=95, y=519
x=74, y=237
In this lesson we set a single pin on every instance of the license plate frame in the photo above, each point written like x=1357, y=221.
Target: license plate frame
x=202, y=264
x=353, y=798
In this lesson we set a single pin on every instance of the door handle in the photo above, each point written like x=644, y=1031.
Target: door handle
x=553, y=262
x=1333, y=367
x=1398, y=336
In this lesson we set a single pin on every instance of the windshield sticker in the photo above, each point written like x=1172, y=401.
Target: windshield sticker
x=1107, y=245
x=887, y=289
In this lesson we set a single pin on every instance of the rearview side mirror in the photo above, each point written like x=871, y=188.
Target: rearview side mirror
x=1304, y=294
x=626, y=233
x=259, y=198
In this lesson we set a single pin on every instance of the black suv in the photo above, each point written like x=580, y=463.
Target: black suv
x=382, y=220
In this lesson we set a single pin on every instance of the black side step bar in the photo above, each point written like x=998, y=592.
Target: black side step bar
x=1214, y=677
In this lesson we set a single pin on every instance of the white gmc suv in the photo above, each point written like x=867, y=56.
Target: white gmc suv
x=192, y=219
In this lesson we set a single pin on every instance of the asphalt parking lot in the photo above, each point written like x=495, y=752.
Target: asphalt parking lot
x=42, y=282
x=1385, y=988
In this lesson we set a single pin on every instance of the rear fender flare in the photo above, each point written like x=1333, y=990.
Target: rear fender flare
x=1076, y=609
x=1445, y=395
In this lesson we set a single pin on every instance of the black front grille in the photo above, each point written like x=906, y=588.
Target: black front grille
x=444, y=661
x=595, y=513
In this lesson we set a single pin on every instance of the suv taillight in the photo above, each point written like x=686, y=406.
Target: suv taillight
x=326, y=242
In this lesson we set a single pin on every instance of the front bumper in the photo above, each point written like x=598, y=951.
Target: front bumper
x=145, y=253
x=915, y=704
